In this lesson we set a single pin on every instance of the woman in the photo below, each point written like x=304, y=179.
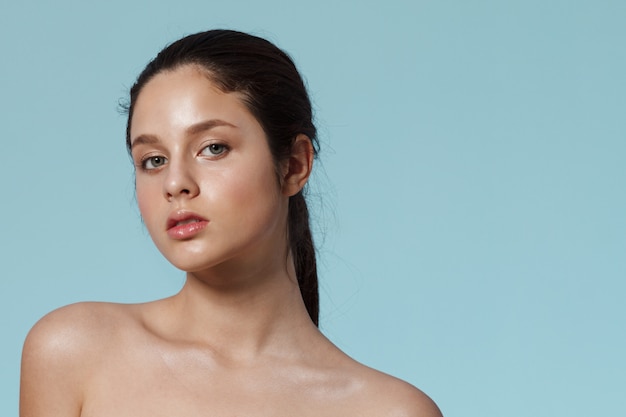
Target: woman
x=220, y=131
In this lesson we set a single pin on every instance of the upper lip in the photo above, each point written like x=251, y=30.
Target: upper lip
x=181, y=216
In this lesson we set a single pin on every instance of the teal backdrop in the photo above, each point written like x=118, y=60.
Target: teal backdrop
x=469, y=204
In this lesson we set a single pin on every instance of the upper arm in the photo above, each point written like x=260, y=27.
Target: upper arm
x=53, y=367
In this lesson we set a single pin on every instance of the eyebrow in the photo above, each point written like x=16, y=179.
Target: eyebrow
x=191, y=130
x=207, y=125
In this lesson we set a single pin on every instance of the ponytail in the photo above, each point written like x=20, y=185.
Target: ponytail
x=303, y=250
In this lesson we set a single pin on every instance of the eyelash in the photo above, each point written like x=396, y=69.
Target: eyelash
x=144, y=162
x=222, y=149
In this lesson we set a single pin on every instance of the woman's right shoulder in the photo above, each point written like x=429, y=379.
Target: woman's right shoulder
x=78, y=329
x=61, y=352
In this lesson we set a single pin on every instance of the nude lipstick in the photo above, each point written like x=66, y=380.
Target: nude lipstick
x=183, y=225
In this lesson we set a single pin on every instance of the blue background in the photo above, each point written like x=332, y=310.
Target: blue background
x=469, y=203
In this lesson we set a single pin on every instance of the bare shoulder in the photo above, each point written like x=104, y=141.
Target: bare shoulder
x=73, y=328
x=60, y=352
x=393, y=397
x=76, y=334
x=405, y=400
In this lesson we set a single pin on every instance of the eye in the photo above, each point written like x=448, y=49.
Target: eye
x=214, y=149
x=153, y=162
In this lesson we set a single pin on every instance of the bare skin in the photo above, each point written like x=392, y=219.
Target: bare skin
x=237, y=339
x=101, y=360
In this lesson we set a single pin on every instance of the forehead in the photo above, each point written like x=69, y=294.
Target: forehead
x=179, y=98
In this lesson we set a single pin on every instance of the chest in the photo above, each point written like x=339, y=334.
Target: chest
x=156, y=387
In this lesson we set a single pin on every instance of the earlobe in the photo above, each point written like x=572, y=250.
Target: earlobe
x=299, y=165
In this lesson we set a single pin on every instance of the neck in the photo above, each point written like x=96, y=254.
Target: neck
x=241, y=316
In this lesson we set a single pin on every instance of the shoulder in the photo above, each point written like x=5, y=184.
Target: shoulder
x=71, y=336
x=62, y=350
x=74, y=327
x=374, y=393
x=393, y=397
x=404, y=400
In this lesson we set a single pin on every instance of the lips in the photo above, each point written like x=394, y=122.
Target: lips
x=184, y=224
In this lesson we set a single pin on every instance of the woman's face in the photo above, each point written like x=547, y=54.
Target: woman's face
x=206, y=183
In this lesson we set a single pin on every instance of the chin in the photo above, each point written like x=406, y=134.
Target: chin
x=192, y=263
x=199, y=261
x=186, y=262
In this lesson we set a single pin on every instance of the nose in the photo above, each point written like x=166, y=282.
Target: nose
x=180, y=182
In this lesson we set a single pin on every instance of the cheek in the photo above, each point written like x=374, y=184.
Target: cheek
x=251, y=195
x=265, y=204
x=145, y=200
x=260, y=186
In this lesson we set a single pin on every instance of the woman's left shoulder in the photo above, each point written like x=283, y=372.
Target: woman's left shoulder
x=391, y=396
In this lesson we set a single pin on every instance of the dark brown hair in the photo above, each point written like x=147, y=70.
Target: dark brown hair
x=275, y=94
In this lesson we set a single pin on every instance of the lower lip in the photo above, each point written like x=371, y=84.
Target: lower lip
x=186, y=231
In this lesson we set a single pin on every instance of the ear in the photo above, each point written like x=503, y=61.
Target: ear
x=297, y=168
